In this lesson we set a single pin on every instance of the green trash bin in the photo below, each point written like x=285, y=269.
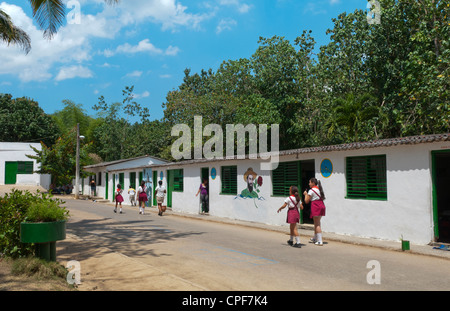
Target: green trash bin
x=44, y=235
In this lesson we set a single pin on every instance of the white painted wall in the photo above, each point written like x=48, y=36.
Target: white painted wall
x=407, y=212
x=17, y=152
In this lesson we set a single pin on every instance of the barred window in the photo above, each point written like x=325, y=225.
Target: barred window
x=228, y=178
x=366, y=177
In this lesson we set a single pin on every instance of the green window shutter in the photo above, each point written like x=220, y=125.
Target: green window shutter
x=229, y=179
x=366, y=177
x=25, y=167
x=286, y=175
x=178, y=180
x=122, y=179
x=133, y=180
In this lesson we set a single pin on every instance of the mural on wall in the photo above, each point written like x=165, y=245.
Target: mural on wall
x=148, y=184
x=254, y=182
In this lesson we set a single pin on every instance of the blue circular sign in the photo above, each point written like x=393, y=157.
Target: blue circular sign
x=326, y=168
x=213, y=173
x=161, y=175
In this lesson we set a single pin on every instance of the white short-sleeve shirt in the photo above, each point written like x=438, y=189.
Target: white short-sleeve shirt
x=160, y=191
x=314, y=196
x=289, y=203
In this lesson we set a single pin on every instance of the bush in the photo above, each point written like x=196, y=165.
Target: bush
x=46, y=212
x=14, y=209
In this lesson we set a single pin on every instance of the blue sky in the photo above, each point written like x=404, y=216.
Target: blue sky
x=148, y=44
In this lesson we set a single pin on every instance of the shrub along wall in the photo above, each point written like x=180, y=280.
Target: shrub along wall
x=19, y=206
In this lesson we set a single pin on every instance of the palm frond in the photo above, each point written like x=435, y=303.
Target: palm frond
x=12, y=34
x=49, y=14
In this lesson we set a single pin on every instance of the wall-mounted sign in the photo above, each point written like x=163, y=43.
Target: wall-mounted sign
x=213, y=173
x=326, y=168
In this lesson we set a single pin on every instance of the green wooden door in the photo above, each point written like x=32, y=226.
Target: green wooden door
x=441, y=200
x=106, y=186
x=10, y=173
x=114, y=188
x=169, y=187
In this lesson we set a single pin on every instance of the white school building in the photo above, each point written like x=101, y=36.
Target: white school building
x=384, y=189
x=17, y=169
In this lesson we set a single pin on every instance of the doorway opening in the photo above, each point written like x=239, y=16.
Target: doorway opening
x=307, y=171
x=441, y=195
x=204, y=199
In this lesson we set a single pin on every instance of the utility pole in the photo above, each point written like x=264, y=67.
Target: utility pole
x=77, y=169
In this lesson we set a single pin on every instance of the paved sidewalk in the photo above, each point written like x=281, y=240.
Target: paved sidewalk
x=307, y=231
x=107, y=270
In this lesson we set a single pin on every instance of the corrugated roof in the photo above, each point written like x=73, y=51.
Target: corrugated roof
x=121, y=161
x=388, y=142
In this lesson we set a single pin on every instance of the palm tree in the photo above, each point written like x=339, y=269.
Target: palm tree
x=355, y=112
x=12, y=34
x=49, y=14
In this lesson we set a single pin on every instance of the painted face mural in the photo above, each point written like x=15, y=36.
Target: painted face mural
x=254, y=182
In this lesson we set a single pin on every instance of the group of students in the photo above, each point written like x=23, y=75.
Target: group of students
x=160, y=193
x=315, y=196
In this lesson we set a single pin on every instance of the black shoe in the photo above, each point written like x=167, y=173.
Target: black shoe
x=290, y=242
x=298, y=245
x=115, y=211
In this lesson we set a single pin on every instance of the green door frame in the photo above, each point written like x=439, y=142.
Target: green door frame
x=169, y=187
x=155, y=182
x=106, y=186
x=114, y=187
x=435, y=205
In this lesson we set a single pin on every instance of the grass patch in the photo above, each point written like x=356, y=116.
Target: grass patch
x=38, y=268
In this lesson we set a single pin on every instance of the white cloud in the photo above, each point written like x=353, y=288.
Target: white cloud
x=143, y=95
x=171, y=14
x=227, y=24
x=67, y=53
x=172, y=50
x=71, y=45
x=241, y=7
x=134, y=74
x=73, y=72
x=144, y=46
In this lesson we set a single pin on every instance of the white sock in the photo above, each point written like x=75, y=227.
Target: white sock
x=120, y=209
x=297, y=240
x=292, y=238
x=319, y=237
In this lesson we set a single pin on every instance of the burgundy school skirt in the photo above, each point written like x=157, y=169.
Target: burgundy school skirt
x=143, y=197
x=317, y=208
x=293, y=216
x=119, y=198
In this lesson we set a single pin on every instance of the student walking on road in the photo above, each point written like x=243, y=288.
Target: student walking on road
x=119, y=198
x=160, y=192
x=142, y=197
x=316, y=196
x=293, y=215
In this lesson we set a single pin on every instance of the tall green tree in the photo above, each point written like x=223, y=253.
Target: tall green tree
x=71, y=115
x=59, y=160
x=22, y=120
x=115, y=137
